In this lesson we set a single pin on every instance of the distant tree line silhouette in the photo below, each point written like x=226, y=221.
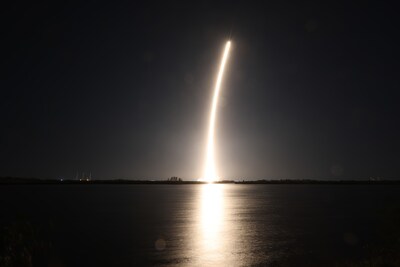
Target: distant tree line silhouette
x=174, y=179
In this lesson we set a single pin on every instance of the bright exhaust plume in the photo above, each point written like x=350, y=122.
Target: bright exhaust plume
x=210, y=172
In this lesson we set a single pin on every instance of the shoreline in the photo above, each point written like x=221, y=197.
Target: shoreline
x=35, y=181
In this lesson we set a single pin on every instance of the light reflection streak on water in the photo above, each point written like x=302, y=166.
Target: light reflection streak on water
x=211, y=223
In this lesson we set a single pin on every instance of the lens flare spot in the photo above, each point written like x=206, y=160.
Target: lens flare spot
x=160, y=244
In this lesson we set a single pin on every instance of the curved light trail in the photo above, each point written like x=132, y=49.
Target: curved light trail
x=210, y=172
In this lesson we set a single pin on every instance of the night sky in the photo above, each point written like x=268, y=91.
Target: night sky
x=123, y=90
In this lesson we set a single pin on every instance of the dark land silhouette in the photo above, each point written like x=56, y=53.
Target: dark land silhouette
x=177, y=180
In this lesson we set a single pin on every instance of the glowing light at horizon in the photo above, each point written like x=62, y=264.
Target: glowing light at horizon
x=210, y=172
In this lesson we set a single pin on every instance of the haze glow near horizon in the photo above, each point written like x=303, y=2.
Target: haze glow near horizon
x=210, y=172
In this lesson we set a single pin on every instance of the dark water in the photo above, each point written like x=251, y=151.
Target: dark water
x=202, y=225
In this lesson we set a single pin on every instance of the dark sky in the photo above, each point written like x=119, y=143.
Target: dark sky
x=123, y=89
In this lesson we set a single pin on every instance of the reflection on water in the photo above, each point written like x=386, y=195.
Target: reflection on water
x=215, y=236
x=225, y=234
x=211, y=218
x=204, y=225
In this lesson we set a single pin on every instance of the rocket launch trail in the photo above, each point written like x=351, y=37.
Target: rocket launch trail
x=210, y=172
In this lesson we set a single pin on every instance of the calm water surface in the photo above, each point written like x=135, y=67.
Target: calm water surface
x=202, y=225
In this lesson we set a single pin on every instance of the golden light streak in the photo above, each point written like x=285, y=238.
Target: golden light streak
x=210, y=172
x=211, y=219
